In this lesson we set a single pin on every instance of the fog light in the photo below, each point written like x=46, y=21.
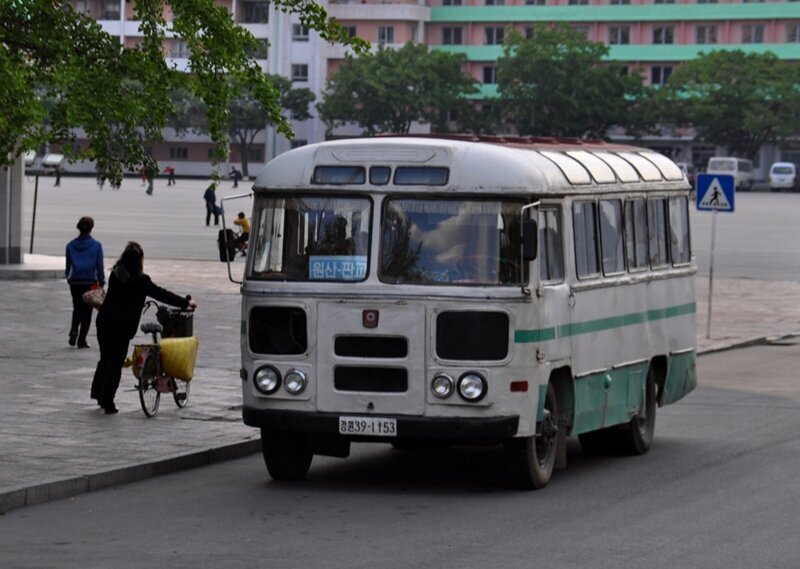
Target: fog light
x=267, y=379
x=472, y=386
x=295, y=381
x=443, y=386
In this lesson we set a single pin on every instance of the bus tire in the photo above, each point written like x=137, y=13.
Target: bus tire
x=530, y=460
x=286, y=455
x=637, y=436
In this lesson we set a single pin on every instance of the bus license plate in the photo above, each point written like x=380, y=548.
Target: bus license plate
x=372, y=426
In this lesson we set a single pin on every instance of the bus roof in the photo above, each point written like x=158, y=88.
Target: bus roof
x=481, y=164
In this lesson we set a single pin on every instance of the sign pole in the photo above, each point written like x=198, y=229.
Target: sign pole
x=33, y=219
x=711, y=273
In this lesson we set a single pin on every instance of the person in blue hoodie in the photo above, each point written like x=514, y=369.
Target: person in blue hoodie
x=84, y=269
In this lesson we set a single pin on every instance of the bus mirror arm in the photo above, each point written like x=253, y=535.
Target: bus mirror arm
x=222, y=243
x=529, y=243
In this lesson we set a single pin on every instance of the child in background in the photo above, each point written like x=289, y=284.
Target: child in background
x=241, y=240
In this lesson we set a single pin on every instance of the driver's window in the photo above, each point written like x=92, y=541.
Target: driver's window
x=551, y=250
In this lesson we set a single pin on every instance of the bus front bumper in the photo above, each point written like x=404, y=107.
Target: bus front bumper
x=485, y=429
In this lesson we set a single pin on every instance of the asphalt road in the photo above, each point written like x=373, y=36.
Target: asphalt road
x=719, y=489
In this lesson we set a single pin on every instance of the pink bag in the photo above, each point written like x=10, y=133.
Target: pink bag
x=95, y=296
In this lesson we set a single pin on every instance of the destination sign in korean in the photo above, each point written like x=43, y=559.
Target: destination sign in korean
x=337, y=267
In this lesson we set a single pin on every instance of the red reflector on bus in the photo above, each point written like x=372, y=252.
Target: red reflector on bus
x=521, y=385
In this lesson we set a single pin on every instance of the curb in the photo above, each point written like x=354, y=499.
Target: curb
x=48, y=491
x=758, y=341
x=22, y=274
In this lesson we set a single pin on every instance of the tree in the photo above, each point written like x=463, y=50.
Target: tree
x=556, y=83
x=62, y=72
x=735, y=99
x=248, y=116
x=387, y=90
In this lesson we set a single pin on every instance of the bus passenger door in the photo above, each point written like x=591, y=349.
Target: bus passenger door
x=553, y=293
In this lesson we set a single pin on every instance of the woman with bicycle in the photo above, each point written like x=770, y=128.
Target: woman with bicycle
x=118, y=320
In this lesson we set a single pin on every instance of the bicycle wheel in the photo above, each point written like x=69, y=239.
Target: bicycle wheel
x=180, y=392
x=149, y=396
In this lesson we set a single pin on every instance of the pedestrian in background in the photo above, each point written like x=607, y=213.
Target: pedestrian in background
x=58, y=176
x=170, y=175
x=235, y=175
x=118, y=319
x=84, y=270
x=150, y=174
x=244, y=226
x=210, y=196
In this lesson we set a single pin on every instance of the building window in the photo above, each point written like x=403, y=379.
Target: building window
x=255, y=154
x=385, y=34
x=489, y=74
x=619, y=35
x=82, y=7
x=535, y=2
x=494, y=35
x=664, y=34
x=664, y=2
x=583, y=30
x=180, y=49
x=495, y=2
x=618, y=2
x=178, y=152
x=451, y=2
x=299, y=32
x=298, y=142
x=109, y=10
x=261, y=50
x=452, y=36
x=706, y=34
x=659, y=74
x=256, y=12
x=578, y=2
x=528, y=32
x=793, y=33
x=299, y=72
x=351, y=31
x=706, y=1
x=753, y=33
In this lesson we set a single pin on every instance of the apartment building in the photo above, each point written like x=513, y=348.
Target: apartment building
x=650, y=37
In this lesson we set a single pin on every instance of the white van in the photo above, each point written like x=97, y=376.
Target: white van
x=783, y=176
x=740, y=168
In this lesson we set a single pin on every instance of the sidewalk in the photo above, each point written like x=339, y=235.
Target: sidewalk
x=55, y=442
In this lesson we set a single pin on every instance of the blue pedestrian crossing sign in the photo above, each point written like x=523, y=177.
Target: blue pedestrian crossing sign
x=715, y=192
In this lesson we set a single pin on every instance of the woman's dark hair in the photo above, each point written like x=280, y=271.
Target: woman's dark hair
x=85, y=225
x=131, y=257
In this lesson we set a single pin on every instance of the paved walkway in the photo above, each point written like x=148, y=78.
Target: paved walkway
x=55, y=442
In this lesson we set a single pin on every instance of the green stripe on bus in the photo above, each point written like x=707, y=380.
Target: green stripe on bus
x=601, y=324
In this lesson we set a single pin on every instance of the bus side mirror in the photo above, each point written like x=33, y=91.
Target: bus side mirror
x=530, y=240
x=226, y=245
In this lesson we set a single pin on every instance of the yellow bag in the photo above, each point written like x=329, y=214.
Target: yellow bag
x=178, y=356
x=136, y=361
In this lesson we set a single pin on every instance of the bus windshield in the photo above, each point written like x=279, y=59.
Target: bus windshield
x=450, y=241
x=310, y=238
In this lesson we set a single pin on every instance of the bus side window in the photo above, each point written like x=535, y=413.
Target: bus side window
x=636, y=235
x=611, y=237
x=657, y=225
x=679, y=230
x=551, y=250
x=584, y=215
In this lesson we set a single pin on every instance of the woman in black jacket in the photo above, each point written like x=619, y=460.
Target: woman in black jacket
x=118, y=320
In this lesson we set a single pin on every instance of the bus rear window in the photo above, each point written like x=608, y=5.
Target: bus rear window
x=426, y=176
x=339, y=175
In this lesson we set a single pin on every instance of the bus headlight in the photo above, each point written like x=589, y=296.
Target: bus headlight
x=472, y=387
x=295, y=381
x=443, y=386
x=267, y=379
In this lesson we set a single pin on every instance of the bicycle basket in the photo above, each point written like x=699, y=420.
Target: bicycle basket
x=177, y=323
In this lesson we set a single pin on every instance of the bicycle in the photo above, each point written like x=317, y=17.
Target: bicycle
x=153, y=381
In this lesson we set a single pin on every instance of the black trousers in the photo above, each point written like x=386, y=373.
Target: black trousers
x=81, y=313
x=211, y=209
x=113, y=349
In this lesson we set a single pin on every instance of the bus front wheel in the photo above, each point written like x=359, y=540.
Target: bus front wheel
x=286, y=455
x=530, y=460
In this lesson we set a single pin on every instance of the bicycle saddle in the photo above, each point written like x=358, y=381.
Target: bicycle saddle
x=151, y=327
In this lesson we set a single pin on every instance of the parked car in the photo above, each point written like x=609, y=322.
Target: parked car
x=740, y=168
x=783, y=176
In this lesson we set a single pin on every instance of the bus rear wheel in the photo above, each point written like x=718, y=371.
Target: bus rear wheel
x=530, y=460
x=286, y=455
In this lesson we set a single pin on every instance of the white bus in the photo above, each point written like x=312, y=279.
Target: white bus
x=466, y=290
